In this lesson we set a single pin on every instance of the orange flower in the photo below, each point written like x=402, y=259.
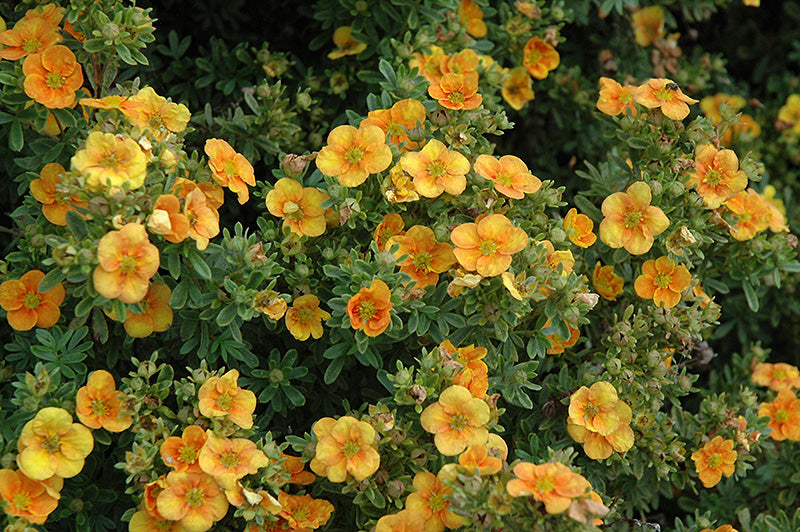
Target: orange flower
x=398, y=121
x=345, y=447
x=203, y=219
x=752, y=212
x=397, y=187
x=293, y=466
x=662, y=281
x=595, y=408
x=784, y=414
x=370, y=308
x=26, y=307
x=127, y=262
x=302, y=512
x=579, y=228
x=214, y=194
x=51, y=444
x=300, y=208
x=607, y=283
x=487, y=246
x=29, y=36
x=110, y=158
x=457, y=420
x=710, y=105
x=557, y=343
x=427, y=258
x=52, y=77
x=463, y=62
x=351, y=154
x=221, y=396
x=25, y=497
x=475, y=374
x=157, y=315
x=598, y=446
x=346, y=44
x=50, y=13
x=195, y=500
x=168, y=220
x=471, y=17
x=267, y=302
x=457, y=91
x=553, y=483
x=144, y=521
x=229, y=168
x=100, y=404
x=305, y=317
x=228, y=460
x=664, y=93
x=615, y=99
x=477, y=457
x=47, y=191
x=509, y=174
x=630, y=221
x=714, y=459
x=540, y=58
x=436, y=169
x=154, y=112
x=648, y=25
x=113, y=101
x=429, y=502
x=778, y=376
x=402, y=521
x=181, y=453
x=716, y=175
x=392, y=225
x=429, y=65
x=517, y=88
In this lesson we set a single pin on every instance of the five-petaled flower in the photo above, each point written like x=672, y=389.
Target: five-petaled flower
x=398, y=121
x=29, y=36
x=784, y=416
x=52, y=77
x=487, y=246
x=648, y=24
x=148, y=110
x=156, y=313
x=630, y=221
x=607, y=283
x=599, y=420
x=182, y=452
x=615, y=98
x=579, y=228
x=776, y=376
x=100, y=404
x=509, y=174
x=370, y=309
x=304, y=319
x=127, y=262
x=436, y=169
x=47, y=190
x=302, y=512
x=300, y=207
x=714, y=459
x=457, y=91
x=109, y=158
x=51, y=444
x=716, y=175
x=429, y=502
x=25, y=497
x=517, y=88
x=553, y=483
x=230, y=459
x=351, y=154
x=665, y=94
x=345, y=447
x=195, y=500
x=427, y=258
x=221, y=396
x=662, y=281
x=540, y=57
x=457, y=420
x=471, y=16
x=230, y=168
x=26, y=306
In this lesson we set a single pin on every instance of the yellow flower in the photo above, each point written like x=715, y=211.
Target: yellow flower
x=777, y=376
x=630, y=221
x=579, y=228
x=305, y=317
x=127, y=263
x=553, y=483
x=487, y=246
x=230, y=168
x=195, y=500
x=155, y=113
x=716, y=175
x=436, y=169
x=790, y=113
x=230, y=459
x=615, y=98
x=648, y=25
x=345, y=447
x=518, y=88
x=471, y=16
x=347, y=45
x=221, y=396
x=607, y=283
x=662, y=281
x=113, y=159
x=100, y=404
x=429, y=503
x=351, y=154
x=665, y=94
x=714, y=459
x=51, y=444
x=457, y=420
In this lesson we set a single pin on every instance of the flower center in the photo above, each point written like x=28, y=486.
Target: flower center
x=590, y=411
x=422, y=261
x=457, y=97
x=52, y=444
x=230, y=169
x=305, y=315
x=437, y=503
x=662, y=280
x=436, y=168
x=31, y=44
x=194, y=497
x=545, y=484
x=301, y=514
x=713, y=177
x=290, y=208
x=350, y=448
x=665, y=94
x=225, y=401
x=155, y=122
x=354, y=155
x=534, y=56
x=504, y=178
x=714, y=461
x=229, y=459
x=395, y=128
x=31, y=300
x=164, y=525
x=366, y=310
x=778, y=375
x=54, y=80
x=127, y=264
x=782, y=416
x=625, y=96
x=111, y=160
x=21, y=501
x=488, y=247
x=99, y=407
x=632, y=219
x=458, y=422
x=187, y=454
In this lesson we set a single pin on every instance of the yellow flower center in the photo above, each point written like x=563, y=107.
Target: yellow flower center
x=395, y=128
x=545, y=484
x=31, y=44
x=713, y=177
x=350, y=448
x=229, y=459
x=52, y=444
x=782, y=416
x=422, y=261
x=665, y=94
x=194, y=497
x=779, y=374
x=31, y=300
x=436, y=502
x=111, y=160
x=230, y=169
x=488, y=247
x=625, y=96
x=301, y=514
x=164, y=524
x=305, y=315
x=127, y=264
x=436, y=168
x=714, y=461
x=632, y=219
x=366, y=310
x=154, y=121
x=458, y=422
x=225, y=401
x=187, y=454
x=21, y=501
x=54, y=80
x=354, y=155
x=590, y=411
x=99, y=407
x=662, y=280
x=504, y=179
x=290, y=208
x=457, y=97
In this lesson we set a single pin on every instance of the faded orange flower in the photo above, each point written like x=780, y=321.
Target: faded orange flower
x=144, y=521
x=181, y=452
x=630, y=221
x=665, y=94
x=294, y=467
x=305, y=318
x=710, y=105
x=167, y=219
x=300, y=207
x=714, y=459
x=436, y=169
x=26, y=306
x=517, y=88
x=778, y=376
x=662, y=281
x=345, y=447
x=648, y=25
x=457, y=420
x=595, y=408
x=716, y=175
x=215, y=195
x=230, y=459
x=605, y=282
x=47, y=190
x=203, y=219
x=154, y=112
x=303, y=512
x=29, y=36
x=540, y=58
x=370, y=308
x=346, y=44
x=24, y=497
x=615, y=98
x=509, y=174
x=221, y=396
x=429, y=65
x=487, y=246
x=475, y=373
x=351, y=154
x=402, y=521
x=457, y=91
x=429, y=501
x=784, y=416
x=100, y=404
x=478, y=457
x=427, y=258
x=471, y=17
x=553, y=483
x=230, y=168
x=398, y=121
x=156, y=315
x=195, y=500
x=127, y=262
x=52, y=77
x=113, y=159
x=729, y=528
x=752, y=213
x=463, y=62
x=579, y=228
x=51, y=444
x=268, y=302
x=392, y=225
x=398, y=187
x=600, y=446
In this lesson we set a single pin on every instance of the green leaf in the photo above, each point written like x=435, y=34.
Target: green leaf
x=333, y=370
x=94, y=45
x=77, y=225
x=15, y=138
x=587, y=207
x=200, y=267
x=750, y=295
x=294, y=395
x=83, y=308
x=50, y=280
x=226, y=316
x=387, y=71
